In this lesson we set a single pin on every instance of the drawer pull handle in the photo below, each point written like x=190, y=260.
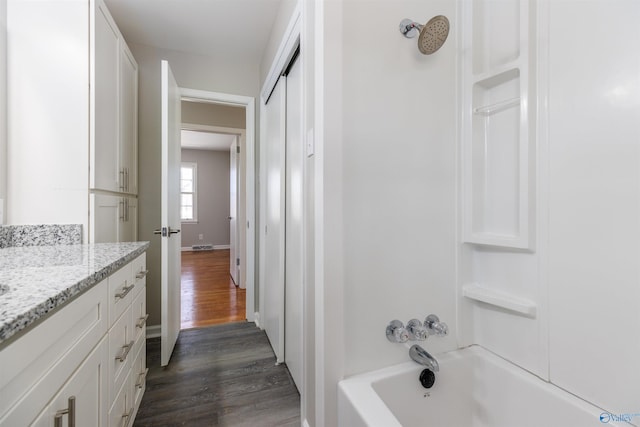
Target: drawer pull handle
x=125, y=352
x=141, y=274
x=125, y=417
x=142, y=321
x=71, y=410
x=142, y=377
x=123, y=293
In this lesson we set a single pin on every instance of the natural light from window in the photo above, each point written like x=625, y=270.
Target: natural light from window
x=188, y=177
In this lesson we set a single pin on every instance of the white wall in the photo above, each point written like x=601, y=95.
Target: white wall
x=383, y=183
x=213, y=115
x=594, y=202
x=277, y=32
x=47, y=113
x=190, y=71
x=399, y=154
x=3, y=108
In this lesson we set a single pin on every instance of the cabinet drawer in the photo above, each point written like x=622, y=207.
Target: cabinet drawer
x=139, y=314
x=139, y=373
x=62, y=342
x=121, y=286
x=120, y=353
x=139, y=272
x=85, y=385
x=121, y=411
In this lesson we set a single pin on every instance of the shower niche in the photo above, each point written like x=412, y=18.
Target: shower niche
x=497, y=150
x=499, y=280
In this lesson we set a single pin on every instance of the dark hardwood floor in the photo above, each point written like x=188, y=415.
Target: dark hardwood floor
x=221, y=375
x=208, y=295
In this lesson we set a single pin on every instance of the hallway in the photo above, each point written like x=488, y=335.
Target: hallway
x=208, y=295
x=222, y=375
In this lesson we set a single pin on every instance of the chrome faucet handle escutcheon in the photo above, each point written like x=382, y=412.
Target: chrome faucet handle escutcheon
x=396, y=332
x=435, y=327
x=417, y=331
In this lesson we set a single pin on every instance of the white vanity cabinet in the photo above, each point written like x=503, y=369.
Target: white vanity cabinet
x=72, y=97
x=127, y=321
x=84, y=361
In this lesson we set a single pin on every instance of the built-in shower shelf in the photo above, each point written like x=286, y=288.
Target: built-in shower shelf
x=509, y=302
x=488, y=110
x=497, y=73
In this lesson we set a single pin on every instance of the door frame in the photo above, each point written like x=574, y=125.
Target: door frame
x=248, y=152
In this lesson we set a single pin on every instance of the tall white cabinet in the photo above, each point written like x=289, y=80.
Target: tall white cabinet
x=72, y=118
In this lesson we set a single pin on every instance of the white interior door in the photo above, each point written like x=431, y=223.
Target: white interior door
x=275, y=110
x=233, y=212
x=294, y=261
x=170, y=213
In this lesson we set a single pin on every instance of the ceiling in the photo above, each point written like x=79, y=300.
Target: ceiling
x=233, y=30
x=198, y=140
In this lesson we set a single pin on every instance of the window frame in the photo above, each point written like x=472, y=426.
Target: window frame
x=194, y=168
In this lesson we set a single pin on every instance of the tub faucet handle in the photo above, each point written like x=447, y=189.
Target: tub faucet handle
x=417, y=332
x=435, y=326
x=396, y=332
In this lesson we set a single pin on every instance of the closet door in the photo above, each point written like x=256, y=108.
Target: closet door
x=275, y=219
x=294, y=202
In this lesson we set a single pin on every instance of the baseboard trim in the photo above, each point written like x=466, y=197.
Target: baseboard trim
x=256, y=319
x=215, y=248
x=153, y=331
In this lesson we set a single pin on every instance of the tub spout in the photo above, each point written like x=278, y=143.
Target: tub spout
x=421, y=356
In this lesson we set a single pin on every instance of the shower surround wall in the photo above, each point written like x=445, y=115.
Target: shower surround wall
x=556, y=292
x=562, y=286
x=399, y=163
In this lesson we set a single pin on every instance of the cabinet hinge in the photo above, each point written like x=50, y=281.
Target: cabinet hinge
x=237, y=261
x=238, y=149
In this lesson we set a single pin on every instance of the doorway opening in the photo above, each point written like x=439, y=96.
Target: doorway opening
x=213, y=289
x=217, y=273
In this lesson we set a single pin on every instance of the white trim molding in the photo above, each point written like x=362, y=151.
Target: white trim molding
x=153, y=331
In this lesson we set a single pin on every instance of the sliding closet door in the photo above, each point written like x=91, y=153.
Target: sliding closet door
x=294, y=260
x=275, y=112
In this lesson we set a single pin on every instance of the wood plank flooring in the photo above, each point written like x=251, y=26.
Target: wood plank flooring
x=222, y=375
x=209, y=296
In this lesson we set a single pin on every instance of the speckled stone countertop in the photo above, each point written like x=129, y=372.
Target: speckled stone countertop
x=37, y=279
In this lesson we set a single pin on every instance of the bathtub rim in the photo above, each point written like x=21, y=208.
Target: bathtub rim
x=359, y=389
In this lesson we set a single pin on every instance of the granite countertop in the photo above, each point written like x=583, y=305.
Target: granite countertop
x=36, y=280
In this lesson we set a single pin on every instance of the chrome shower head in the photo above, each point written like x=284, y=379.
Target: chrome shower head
x=432, y=35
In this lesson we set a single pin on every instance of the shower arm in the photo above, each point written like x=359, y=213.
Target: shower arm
x=410, y=28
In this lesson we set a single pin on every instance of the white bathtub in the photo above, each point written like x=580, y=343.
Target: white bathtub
x=474, y=388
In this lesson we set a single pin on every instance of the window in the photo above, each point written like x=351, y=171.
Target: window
x=188, y=175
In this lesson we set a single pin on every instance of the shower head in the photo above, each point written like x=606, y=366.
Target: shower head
x=432, y=35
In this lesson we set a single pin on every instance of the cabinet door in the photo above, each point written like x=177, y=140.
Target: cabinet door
x=105, y=152
x=128, y=104
x=87, y=387
x=106, y=214
x=128, y=231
